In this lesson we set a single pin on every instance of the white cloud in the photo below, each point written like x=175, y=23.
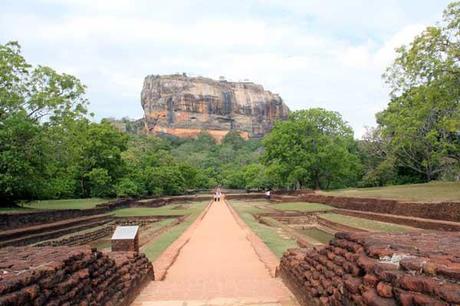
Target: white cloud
x=313, y=53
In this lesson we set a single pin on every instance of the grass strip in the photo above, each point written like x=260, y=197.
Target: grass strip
x=370, y=225
x=154, y=248
x=269, y=235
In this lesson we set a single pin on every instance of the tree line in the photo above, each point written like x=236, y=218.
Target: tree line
x=50, y=148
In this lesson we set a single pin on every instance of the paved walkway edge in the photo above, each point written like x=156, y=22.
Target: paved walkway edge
x=265, y=255
x=169, y=256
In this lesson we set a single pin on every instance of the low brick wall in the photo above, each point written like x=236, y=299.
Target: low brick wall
x=17, y=220
x=157, y=202
x=80, y=239
x=449, y=211
x=43, y=233
x=71, y=276
x=245, y=196
x=428, y=224
x=417, y=268
x=23, y=219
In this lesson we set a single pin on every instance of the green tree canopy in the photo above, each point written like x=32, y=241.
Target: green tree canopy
x=313, y=148
x=422, y=121
x=34, y=103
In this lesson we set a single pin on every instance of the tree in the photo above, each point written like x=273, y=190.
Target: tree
x=313, y=148
x=378, y=166
x=255, y=177
x=33, y=101
x=101, y=149
x=39, y=92
x=164, y=180
x=422, y=121
x=234, y=140
x=22, y=161
x=127, y=188
x=100, y=183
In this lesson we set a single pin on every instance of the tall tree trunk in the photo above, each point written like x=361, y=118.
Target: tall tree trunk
x=317, y=184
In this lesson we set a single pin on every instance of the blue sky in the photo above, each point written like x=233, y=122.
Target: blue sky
x=314, y=53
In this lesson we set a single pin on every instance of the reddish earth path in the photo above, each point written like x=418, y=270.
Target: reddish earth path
x=218, y=266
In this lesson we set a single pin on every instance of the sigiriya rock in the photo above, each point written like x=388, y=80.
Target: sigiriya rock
x=183, y=106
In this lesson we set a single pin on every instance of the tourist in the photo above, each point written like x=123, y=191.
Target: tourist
x=268, y=195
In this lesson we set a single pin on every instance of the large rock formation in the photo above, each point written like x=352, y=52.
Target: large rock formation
x=184, y=106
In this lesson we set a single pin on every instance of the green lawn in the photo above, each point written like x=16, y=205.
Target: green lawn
x=14, y=209
x=172, y=210
x=429, y=192
x=154, y=249
x=301, y=206
x=318, y=235
x=268, y=234
x=65, y=204
x=366, y=224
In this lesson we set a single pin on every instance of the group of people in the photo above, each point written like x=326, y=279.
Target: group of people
x=217, y=195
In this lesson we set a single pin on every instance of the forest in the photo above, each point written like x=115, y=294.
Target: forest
x=51, y=148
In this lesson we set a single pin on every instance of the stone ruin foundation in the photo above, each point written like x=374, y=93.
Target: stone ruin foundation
x=417, y=268
x=71, y=276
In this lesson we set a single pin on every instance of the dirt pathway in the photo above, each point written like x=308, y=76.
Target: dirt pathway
x=218, y=266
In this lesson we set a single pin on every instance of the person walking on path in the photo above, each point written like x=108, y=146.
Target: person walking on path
x=217, y=195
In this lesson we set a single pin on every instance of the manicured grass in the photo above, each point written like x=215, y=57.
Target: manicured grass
x=171, y=210
x=65, y=204
x=105, y=244
x=268, y=234
x=318, y=235
x=154, y=249
x=366, y=224
x=14, y=209
x=429, y=192
x=301, y=206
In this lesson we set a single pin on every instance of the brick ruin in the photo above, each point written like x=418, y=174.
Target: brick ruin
x=71, y=276
x=359, y=268
x=443, y=216
x=416, y=268
x=448, y=211
x=26, y=219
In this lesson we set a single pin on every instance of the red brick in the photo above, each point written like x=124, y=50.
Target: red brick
x=370, y=280
x=418, y=283
x=384, y=290
x=452, y=271
x=373, y=299
x=424, y=300
x=449, y=292
x=352, y=284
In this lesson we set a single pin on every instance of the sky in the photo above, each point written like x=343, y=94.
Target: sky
x=314, y=53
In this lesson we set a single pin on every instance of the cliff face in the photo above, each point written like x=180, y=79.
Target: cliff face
x=183, y=106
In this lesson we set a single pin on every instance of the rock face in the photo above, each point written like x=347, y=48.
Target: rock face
x=184, y=106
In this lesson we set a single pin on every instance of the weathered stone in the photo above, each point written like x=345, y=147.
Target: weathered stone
x=184, y=106
x=382, y=279
x=373, y=299
x=70, y=276
x=385, y=290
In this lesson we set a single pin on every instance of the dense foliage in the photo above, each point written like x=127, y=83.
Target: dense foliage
x=313, y=148
x=418, y=134
x=49, y=147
